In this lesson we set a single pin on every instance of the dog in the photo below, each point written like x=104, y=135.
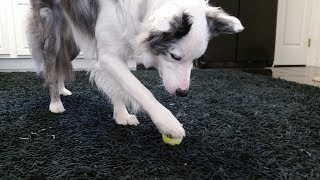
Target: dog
x=166, y=34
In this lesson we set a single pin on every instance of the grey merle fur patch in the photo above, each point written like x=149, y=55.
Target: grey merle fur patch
x=160, y=42
x=84, y=13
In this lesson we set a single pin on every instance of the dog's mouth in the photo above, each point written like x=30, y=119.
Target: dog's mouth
x=177, y=91
x=173, y=89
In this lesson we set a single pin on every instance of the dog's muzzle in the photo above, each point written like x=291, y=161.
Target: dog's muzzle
x=181, y=93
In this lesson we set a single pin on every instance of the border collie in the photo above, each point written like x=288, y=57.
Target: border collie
x=166, y=34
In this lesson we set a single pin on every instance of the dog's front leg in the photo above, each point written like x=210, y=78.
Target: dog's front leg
x=161, y=116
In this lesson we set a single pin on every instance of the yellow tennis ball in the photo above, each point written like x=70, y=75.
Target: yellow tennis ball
x=171, y=141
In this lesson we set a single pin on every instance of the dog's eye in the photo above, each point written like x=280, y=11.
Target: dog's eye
x=175, y=57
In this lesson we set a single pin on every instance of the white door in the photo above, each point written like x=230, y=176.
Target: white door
x=21, y=9
x=4, y=28
x=293, y=32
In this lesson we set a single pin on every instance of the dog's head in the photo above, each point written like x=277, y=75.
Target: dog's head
x=179, y=34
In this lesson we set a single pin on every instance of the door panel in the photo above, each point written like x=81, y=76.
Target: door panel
x=257, y=42
x=4, y=28
x=21, y=9
x=293, y=32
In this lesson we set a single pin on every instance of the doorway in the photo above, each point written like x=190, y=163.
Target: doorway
x=296, y=32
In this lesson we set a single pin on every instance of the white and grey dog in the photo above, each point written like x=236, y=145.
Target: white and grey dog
x=166, y=34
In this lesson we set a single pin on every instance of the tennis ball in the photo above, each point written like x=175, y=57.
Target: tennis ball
x=171, y=141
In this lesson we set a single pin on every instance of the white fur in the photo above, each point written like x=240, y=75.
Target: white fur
x=120, y=30
x=65, y=92
x=121, y=114
x=56, y=107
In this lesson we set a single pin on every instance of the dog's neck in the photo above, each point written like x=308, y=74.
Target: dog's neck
x=138, y=14
x=137, y=17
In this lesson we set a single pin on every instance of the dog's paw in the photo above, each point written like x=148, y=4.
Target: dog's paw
x=167, y=124
x=65, y=92
x=56, y=107
x=127, y=120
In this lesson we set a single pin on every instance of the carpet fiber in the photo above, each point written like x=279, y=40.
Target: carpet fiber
x=239, y=126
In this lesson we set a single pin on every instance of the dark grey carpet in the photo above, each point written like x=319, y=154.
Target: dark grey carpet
x=239, y=126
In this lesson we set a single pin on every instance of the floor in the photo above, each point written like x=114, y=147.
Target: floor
x=303, y=75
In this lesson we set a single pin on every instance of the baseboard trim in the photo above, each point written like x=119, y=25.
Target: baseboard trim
x=27, y=65
x=280, y=66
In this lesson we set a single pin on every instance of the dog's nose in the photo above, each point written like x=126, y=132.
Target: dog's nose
x=181, y=93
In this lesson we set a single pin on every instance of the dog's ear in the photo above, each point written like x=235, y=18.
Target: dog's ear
x=219, y=22
x=161, y=17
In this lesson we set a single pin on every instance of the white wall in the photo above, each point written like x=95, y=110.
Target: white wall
x=12, y=29
x=14, y=50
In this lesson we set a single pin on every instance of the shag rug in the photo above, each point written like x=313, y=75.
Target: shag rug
x=239, y=126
